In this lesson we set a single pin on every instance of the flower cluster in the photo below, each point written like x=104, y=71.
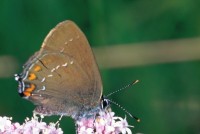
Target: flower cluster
x=104, y=123
x=30, y=126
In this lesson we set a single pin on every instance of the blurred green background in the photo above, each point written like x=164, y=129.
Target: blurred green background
x=168, y=97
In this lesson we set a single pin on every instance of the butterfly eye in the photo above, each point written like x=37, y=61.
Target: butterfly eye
x=104, y=103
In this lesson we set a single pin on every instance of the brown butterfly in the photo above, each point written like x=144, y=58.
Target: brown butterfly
x=62, y=78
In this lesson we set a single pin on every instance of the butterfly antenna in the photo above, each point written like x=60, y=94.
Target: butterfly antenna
x=132, y=116
x=129, y=85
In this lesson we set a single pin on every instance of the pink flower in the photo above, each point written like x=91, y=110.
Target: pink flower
x=30, y=126
x=5, y=123
x=104, y=123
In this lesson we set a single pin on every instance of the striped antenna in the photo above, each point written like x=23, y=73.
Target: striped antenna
x=132, y=116
x=129, y=85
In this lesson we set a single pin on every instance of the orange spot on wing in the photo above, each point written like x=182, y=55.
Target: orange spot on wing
x=32, y=76
x=30, y=89
x=37, y=68
x=27, y=93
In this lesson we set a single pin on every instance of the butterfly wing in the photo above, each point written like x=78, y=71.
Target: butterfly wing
x=63, y=77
